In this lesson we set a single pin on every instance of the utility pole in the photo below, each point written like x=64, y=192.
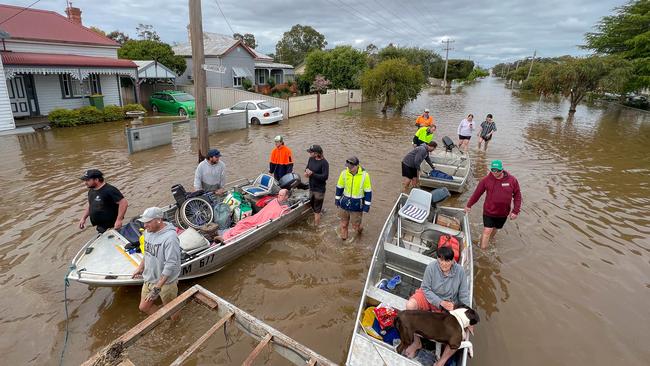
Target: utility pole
x=198, y=75
x=531, y=64
x=447, y=48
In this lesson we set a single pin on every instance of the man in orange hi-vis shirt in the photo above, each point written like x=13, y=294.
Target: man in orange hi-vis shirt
x=425, y=120
x=281, y=161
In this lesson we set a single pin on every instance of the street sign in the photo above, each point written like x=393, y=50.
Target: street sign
x=219, y=69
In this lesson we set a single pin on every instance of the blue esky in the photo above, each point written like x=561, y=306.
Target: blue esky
x=485, y=31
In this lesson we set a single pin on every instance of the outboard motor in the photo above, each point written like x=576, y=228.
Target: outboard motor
x=289, y=181
x=438, y=195
x=449, y=144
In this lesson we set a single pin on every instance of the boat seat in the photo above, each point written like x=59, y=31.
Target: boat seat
x=262, y=186
x=386, y=298
x=417, y=206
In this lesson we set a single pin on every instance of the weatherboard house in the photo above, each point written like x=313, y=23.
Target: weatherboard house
x=229, y=61
x=52, y=61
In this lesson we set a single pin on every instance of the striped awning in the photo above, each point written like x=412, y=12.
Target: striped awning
x=240, y=72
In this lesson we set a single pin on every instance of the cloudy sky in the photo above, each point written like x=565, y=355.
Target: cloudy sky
x=486, y=31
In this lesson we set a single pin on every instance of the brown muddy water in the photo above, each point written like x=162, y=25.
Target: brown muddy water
x=568, y=282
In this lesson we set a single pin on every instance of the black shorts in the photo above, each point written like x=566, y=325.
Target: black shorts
x=461, y=137
x=486, y=138
x=494, y=222
x=409, y=172
x=316, y=201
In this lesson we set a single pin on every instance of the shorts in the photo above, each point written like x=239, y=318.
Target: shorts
x=409, y=172
x=461, y=137
x=423, y=303
x=353, y=217
x=167, y=293
x=486, y=138
x=316, y=201
x=494, y=222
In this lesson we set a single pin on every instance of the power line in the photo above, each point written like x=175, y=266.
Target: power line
x=21, y=10
x=406, y=32
x=224, y=16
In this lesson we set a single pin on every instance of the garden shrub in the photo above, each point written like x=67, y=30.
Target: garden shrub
x=134, y=107
x=90, y=114
x=61, y=117
x=113, y=113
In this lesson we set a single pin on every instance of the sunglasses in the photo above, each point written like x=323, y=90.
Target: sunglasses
x=349, y=162
x=495, y=170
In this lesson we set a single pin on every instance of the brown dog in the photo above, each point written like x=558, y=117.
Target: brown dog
x=441, y=327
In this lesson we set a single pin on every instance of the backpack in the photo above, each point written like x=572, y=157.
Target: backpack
x=222, y=215
x=452, y=242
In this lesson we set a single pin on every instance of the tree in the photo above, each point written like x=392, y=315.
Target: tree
x=626, y=34
x=248, y=39
x=146, y=32
x=371, y=49
x=297, y=43
x=98, y=31
x=393, y=82
x=118, y=36
x=427, y=59
x=152, y=50
x=320, y=84
x=456, y=69
x=342, y=65
x=573, y=78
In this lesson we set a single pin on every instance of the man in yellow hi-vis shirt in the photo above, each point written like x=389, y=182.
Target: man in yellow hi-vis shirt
x=353, y=195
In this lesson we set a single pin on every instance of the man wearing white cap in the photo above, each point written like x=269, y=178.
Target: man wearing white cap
x=425, y=120
x=281, y=161
x=162, y=261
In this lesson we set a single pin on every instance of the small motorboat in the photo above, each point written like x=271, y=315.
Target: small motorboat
x=452, y=168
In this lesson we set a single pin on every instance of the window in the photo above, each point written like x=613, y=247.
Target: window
x=237, y=81
x=263, y=105
x=72, y=88
x=261, y=77
x=183, y=97
x=239, y=106
x=251, y=107
x=278, y=78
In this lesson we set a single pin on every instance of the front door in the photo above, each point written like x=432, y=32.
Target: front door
x=18, y=96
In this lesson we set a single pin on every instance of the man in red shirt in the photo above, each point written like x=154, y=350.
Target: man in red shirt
x=502, y=189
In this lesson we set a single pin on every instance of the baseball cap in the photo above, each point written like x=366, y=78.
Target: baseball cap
x=150, y=214
x=496, y=164
x=352, y=160
x=213, y=152
x=91, y=174
x=315, y=149
x=426, y=110
x=278, y=138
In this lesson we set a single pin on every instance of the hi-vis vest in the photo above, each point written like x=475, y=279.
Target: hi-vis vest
x=424, y=135
x=354, y=192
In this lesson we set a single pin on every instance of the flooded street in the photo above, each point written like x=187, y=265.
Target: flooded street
x=567, y=283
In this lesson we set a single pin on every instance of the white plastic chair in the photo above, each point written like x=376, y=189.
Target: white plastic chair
x=417, y=206
x=262, y=186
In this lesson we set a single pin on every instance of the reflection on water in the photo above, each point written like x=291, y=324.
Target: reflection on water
x=564, y=279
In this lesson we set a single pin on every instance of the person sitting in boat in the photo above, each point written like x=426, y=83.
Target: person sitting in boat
x=424, y=135
x=271, y=211
x=210, y=174
x=444, y=286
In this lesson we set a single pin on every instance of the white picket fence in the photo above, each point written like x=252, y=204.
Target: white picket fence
x=219, y=98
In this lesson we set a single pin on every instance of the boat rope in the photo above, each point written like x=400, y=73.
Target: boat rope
x=66, y=284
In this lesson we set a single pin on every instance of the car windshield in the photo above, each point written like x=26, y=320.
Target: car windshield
x=263, y=105
x=183, y=97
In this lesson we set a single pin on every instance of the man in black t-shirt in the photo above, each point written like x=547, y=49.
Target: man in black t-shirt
x=106, y=205
x=317, y=171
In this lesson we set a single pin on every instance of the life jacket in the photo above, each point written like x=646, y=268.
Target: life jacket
x=452, y=242
x=423, y=135
x=354, y=192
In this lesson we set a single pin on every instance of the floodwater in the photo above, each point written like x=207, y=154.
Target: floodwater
x=568, y=282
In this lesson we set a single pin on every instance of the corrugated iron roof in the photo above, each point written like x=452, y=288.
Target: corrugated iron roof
x=215, y=44
x=48, y=26
x=273, y=65
x=50, y=59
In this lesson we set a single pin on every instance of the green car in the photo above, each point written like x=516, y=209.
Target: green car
x=173, y=102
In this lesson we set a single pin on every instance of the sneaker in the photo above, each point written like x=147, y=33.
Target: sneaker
x=394, y=282
x=382, y=284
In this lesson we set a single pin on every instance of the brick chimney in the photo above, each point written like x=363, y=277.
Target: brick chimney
x=74, y=14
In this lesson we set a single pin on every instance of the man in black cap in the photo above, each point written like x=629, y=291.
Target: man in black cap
x=318, y=170
x=210, y=174
x=106, y=205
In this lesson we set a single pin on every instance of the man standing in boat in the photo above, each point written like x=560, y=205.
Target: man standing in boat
x=106, y=205
x=281, y=161
x=318, y=170
x=353, y=196
x=502, y=190
x=210, y=174
x=162, y=261
x=425, y=120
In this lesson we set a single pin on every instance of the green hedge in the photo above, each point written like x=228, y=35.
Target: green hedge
x=113, y=113
x=63, y=117
x=90, y=114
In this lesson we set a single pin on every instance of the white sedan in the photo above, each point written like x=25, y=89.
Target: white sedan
x=259, y=111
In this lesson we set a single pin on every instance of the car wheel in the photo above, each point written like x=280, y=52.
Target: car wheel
x=154, y=108
x=182, y=112
x=255, y=121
